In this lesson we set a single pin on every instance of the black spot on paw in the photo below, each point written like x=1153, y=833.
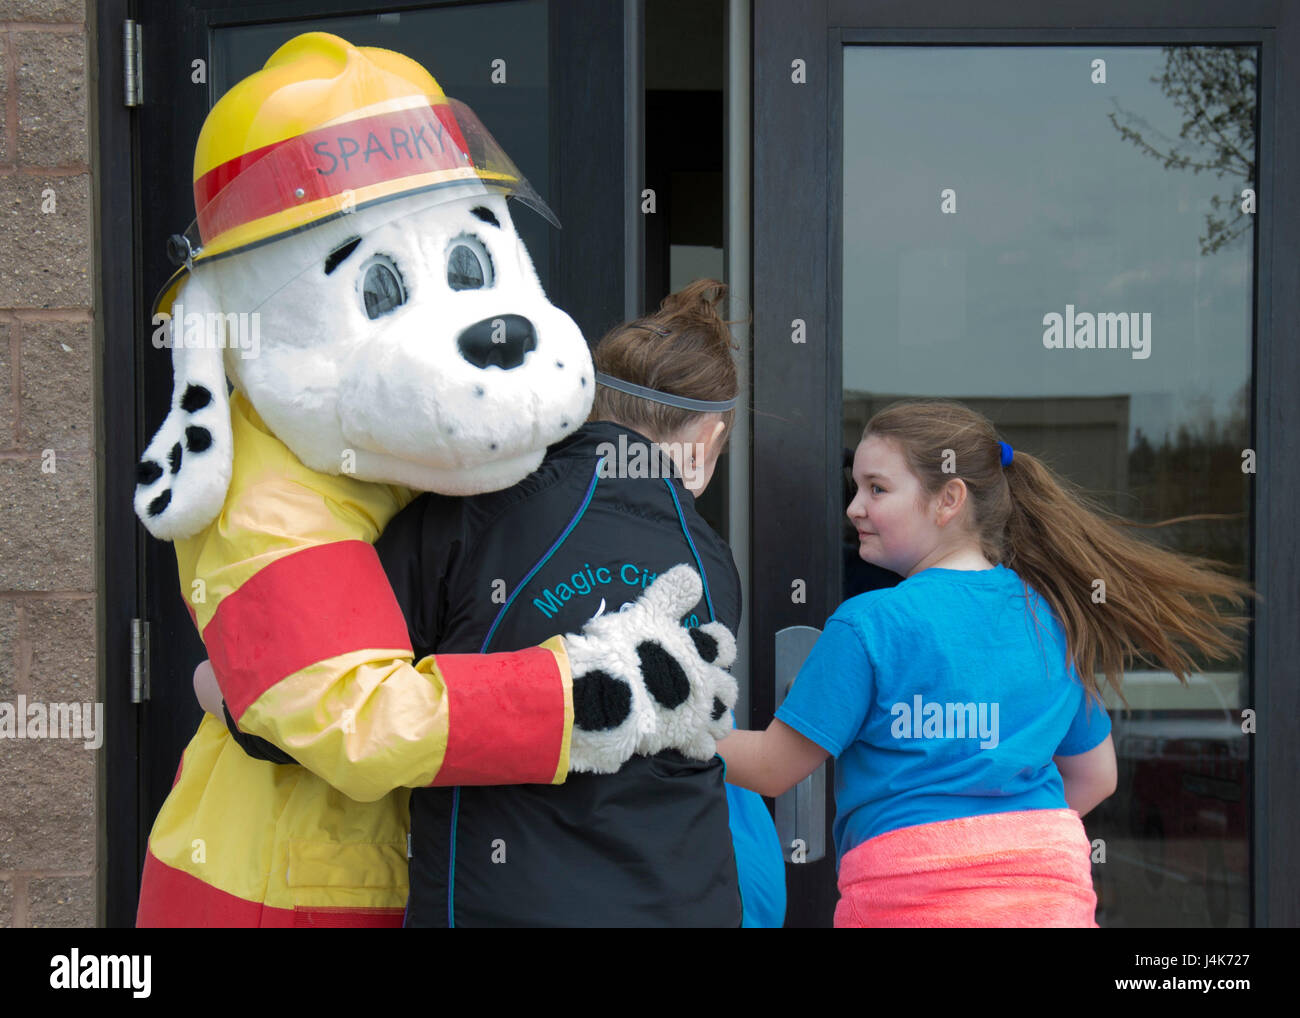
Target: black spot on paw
x=197, y=439
x=160, y=503
x=719, y=709
x=600, y=701
x=147, y=471
x=196, y=398
x=174, y=457
x=663, y=676
x=705, y=645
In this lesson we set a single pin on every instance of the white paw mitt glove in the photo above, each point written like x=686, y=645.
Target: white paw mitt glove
x=643, y=683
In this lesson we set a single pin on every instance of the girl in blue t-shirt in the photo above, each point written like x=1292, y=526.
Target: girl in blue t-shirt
x=962, y=705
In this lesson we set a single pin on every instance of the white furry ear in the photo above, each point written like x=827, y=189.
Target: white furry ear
x=182, y=478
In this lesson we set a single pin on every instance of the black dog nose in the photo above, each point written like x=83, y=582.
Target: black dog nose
x=503, y=341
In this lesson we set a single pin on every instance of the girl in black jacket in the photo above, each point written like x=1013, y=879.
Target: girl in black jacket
x=609, y=509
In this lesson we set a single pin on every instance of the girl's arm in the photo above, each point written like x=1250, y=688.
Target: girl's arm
x=770, y=762
x=1089, y=777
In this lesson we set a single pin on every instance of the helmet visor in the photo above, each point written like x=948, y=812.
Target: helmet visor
x=391, y=159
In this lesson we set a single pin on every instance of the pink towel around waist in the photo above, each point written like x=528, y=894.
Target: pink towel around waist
x=1029, y=868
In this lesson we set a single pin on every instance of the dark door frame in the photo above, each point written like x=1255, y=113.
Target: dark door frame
x=797, y=392
x=592, y=43
x=116, y=326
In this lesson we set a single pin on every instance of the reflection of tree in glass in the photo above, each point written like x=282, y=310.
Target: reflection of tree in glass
x=1194, y=480
x=1214, y=89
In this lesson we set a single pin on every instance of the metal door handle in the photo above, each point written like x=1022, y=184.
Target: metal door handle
x=801, y=812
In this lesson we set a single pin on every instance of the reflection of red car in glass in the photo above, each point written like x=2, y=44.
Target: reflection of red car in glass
x=1184, y=775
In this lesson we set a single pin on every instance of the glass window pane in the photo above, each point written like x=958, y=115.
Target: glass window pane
x=1000, y=203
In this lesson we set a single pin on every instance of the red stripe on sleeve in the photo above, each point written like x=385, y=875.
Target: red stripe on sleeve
x=303, y=608
x=506, y=718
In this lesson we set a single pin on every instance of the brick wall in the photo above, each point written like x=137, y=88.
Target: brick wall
x=48, y=449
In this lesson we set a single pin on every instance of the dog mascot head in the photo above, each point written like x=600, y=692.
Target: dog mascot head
x=355, y=272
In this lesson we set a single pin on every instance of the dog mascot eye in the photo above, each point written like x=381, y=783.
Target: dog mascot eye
x=468, y=265
x=382, y=287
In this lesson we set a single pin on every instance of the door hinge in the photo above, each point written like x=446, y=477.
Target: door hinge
x=133, y=82
x=139, y=660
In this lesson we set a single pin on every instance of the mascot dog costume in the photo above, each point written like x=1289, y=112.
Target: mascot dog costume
x=355, y=272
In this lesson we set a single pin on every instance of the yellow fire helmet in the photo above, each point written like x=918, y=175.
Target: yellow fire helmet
x=322, y=131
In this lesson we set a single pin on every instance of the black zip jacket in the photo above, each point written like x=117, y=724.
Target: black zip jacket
x=648, y=846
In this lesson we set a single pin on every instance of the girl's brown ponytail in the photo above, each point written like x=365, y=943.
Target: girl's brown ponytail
x=1151, y=605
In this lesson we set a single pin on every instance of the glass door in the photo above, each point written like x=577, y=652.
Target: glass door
x=1062, y=238
x=1059, y=223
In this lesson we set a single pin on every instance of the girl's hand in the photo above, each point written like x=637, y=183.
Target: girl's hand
x=207, y=690
x=770, y=762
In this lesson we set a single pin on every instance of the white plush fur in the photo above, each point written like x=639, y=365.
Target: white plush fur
x=609, y=643
x=198, y=489
x=391, y=399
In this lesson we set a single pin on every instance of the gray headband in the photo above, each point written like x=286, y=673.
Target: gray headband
x=703, y=406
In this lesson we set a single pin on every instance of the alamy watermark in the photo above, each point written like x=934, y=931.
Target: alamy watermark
x=634, y=460
x=36, y=720
x=75, y=971
x=933, y=720
x=209, y=330
x=1107, y=330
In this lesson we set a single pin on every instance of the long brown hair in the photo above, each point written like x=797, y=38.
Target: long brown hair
x=1060, y=541
x=683, y=348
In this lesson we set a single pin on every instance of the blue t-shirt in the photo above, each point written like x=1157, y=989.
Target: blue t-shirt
x=942, y=698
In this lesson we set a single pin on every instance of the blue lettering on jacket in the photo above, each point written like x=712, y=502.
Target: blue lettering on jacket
x=586, y=581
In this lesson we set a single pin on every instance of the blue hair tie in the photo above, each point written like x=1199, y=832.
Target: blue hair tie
x=1008, y=454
